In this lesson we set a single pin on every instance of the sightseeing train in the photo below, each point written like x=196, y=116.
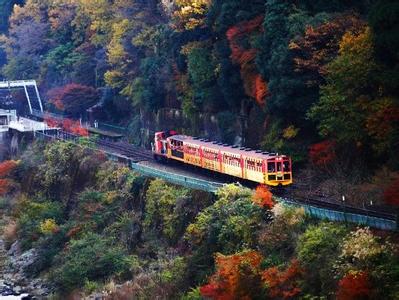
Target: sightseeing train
x=253, y=165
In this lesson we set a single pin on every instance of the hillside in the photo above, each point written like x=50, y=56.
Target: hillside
x=316, y=80
x=87, y=226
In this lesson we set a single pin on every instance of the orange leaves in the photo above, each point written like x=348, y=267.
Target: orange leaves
x=263, y=197
x=322, y=154
x=74, y=127
x=239, y=276
x=232, y=272
x=68, y=125
x=254, y=84
x=321, y=44
x=51, y=122
x=354, y=286
x=283, y=284
x=5, y=168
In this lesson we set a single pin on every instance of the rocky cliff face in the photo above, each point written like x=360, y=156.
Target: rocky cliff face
x=13, y=279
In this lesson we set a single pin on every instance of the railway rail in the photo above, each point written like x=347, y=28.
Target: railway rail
x=136, y=154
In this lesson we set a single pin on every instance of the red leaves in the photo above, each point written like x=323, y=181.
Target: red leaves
x=74, y=127
x=391, y=194
x=323, y=153
x=68, y=125
x=354, y=286
x=263, y=197
x=254, y=84
x=232, y=272
x=51, y=122
x=73, y=98
x=283, y=284
x=5, y=168
x=320, y=45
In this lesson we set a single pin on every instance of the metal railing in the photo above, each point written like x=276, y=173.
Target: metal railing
x=342, y=216
x=212, y=187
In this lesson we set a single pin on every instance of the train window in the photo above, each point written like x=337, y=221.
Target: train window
x=271, y=167
x=286, y=166
x=250, y=165
x=259, y=166
x=231, y=160
x=278, y=166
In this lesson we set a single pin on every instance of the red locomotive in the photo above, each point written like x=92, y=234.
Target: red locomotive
x=254, y=165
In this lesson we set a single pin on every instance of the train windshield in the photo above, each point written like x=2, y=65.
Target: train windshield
x=271, y=167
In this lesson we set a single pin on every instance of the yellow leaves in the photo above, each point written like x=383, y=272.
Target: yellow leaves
x=290, y=132
x=115, y=51
x=356, y=44
x=114, y=78
x=48, y=226
x=110, y=197
x=191, y=13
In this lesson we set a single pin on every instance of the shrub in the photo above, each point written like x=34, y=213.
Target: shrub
x=31, y=217
x=237, y=276
x=90, y=258
x=280, y=236
x=161, y=209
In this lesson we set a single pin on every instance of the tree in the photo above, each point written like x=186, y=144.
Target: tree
x=354, y=285
x=319, y=45
x=283, y=284
x=6, y=167
x=237, y=276
x=254, y=85
x=162, y=203
x=263, y=197
x=317, y=251
x=228, y=226
x=74, y=99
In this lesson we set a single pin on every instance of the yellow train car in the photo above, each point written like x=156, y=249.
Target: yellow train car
x=257, y=166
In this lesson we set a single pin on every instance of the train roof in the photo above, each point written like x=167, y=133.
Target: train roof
x=225, y=147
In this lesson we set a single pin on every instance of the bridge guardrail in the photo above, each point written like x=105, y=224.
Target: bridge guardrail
x=342, y=216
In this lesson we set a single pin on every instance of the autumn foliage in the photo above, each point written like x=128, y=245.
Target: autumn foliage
x=283, y=284
x=320, y=45
x=322, y=154
x=236, y=276
x=74, y=127
x=5, y=168
x=73, y=98
x=354, y=286
x=254, y=84
x=263, y=197
x=68, y=125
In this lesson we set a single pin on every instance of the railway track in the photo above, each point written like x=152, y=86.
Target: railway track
x=137, y=154
x=128, y=150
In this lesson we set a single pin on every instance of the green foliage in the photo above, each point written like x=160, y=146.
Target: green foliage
x=279, y=238
x=202, y=75
x=227, y=226
x=317, y=252
x=31, y=218
x=162, y=209
x=90, y=258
